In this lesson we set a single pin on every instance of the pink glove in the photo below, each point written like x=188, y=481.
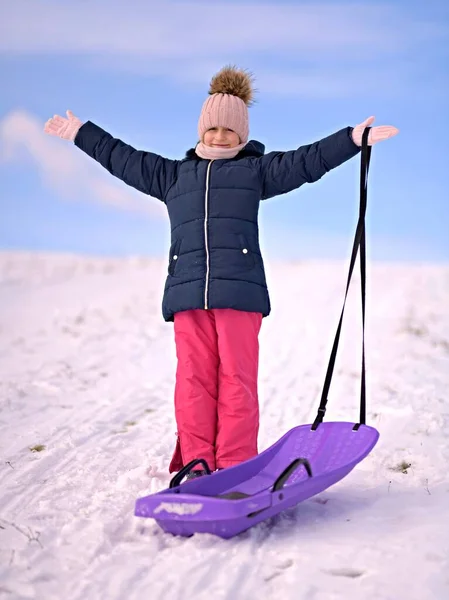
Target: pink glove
x=376, y=134
x=63, y=128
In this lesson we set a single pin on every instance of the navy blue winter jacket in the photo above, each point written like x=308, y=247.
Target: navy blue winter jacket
x=214, y=259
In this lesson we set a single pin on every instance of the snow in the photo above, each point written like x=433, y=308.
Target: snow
x=87, y=371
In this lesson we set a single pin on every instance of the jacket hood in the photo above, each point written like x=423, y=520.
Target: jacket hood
x=252, y=148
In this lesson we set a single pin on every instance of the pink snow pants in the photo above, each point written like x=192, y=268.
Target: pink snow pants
x=216, y=399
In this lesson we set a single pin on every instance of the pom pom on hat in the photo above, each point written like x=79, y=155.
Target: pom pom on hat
x=233, y=81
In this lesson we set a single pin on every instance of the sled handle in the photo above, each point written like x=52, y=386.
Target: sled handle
x=186, y=470
x=279, y=483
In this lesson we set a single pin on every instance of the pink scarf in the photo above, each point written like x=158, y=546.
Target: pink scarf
x=217, y=153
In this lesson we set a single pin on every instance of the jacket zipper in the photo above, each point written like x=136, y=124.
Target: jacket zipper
x=206, y=221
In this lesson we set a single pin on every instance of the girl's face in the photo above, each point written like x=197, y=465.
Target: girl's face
x=221, y=137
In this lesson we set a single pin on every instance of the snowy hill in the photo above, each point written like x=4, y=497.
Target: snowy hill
x=86, y=426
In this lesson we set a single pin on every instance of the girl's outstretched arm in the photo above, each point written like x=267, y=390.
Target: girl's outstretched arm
x=147, y=172
x=282, y=172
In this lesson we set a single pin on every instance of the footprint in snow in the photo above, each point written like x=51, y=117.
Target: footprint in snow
x=345, y=572
x=280, y=567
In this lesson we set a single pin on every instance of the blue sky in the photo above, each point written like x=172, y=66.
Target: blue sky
x=141, y=70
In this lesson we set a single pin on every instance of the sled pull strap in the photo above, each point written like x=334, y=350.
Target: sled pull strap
x=359, y=242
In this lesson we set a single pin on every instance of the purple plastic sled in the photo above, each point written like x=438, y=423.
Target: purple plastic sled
x=304, y=462
x=301, y=464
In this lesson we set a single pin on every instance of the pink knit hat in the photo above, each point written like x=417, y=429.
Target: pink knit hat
x=230, y=94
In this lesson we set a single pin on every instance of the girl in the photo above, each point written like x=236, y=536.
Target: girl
x=216, y=292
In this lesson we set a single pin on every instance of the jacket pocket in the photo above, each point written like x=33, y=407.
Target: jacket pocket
x=174, y=256
x=247, y=256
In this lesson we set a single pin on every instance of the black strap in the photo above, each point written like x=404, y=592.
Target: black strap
x=176, y=480
x=359, y=242
x=279, y=483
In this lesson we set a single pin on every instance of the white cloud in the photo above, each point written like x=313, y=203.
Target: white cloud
x=188, y=40
x=65, y=169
